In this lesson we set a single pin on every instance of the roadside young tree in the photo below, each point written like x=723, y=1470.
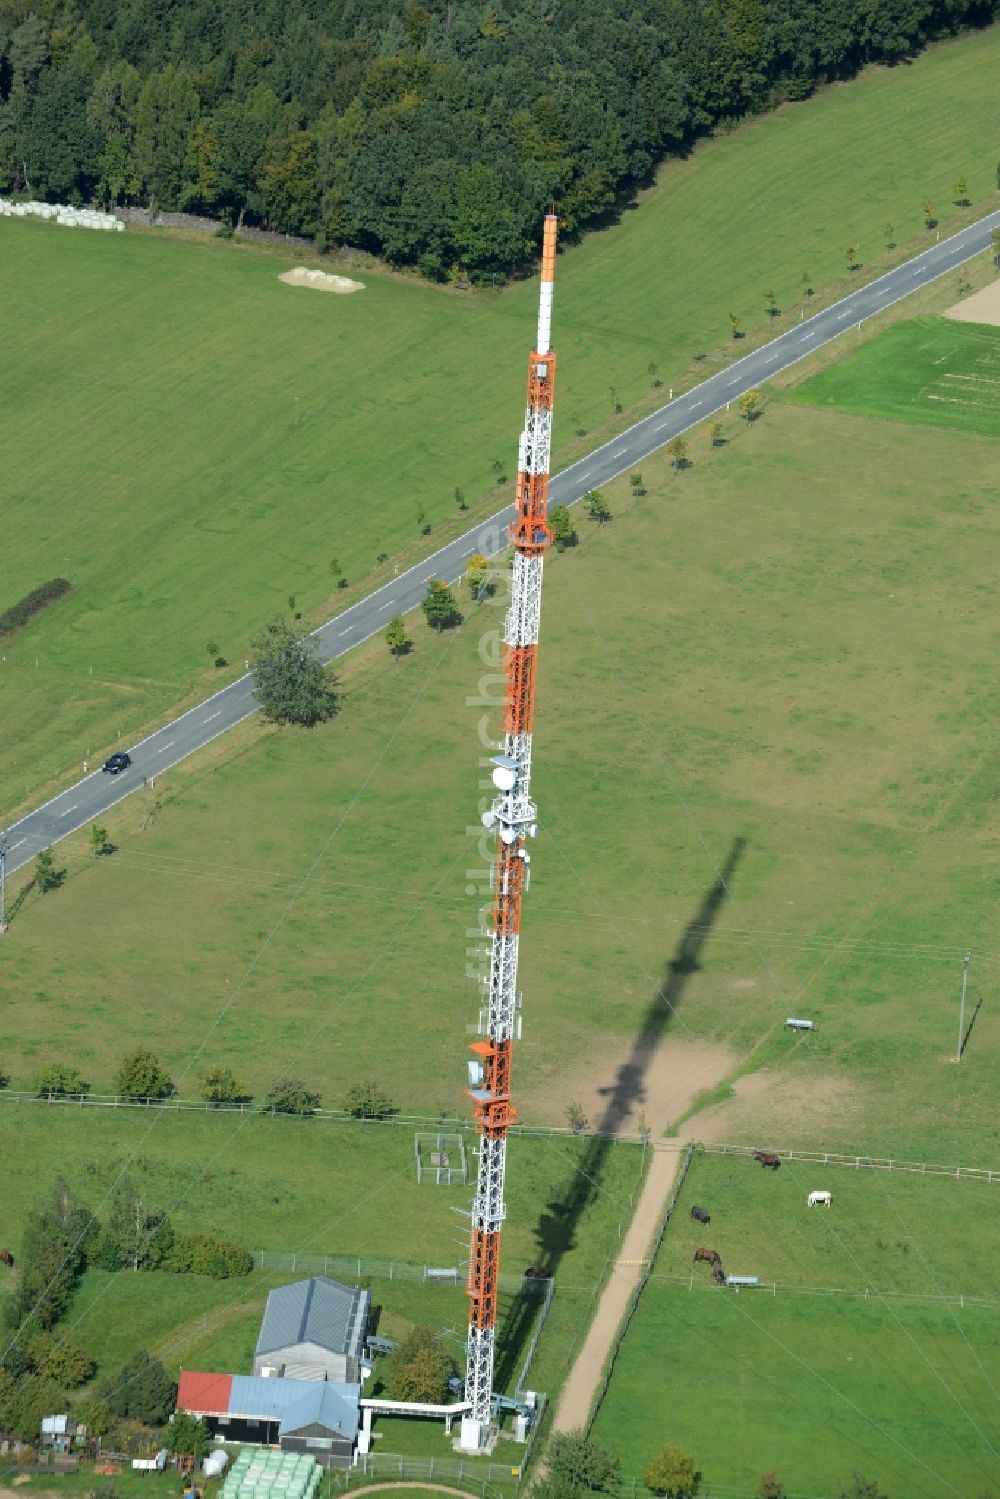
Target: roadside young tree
x=575, y=1117
x=60, y=1080
x=770, y=1486
x=735, y=324
x=995, y=241
x=889, y=234
x=368, y=1101
x=289, y=1096
x=580, y=1464
x=852, y=257
x=807, y=285
x=141, y=1076
x=99, y=841
x=750, y=405
x=715, y=432
x=678, y=450
x=396, y=637
x=562, y=527
x=419, y=1367
x=477, y=577
x=672, y=1473
x=221, y=1085
x=930, y=221
x=771, y=304
x=460, y=499
x=47, y=876
x=289, y=681
x=961, y=191
x=596, y=507
x=439, y=606
x=187, y=1436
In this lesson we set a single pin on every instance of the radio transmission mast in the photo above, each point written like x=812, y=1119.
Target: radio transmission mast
x=513, y=816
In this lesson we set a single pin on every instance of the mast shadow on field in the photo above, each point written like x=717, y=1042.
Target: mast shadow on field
x=555, y=1233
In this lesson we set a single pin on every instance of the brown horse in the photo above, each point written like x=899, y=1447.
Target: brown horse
x=6, y=1258
x=707, y=1257
x=769, y=1162
x=718, y=1275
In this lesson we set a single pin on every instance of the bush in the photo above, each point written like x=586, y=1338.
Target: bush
x=141, y=1076
x=60, y=1080
x=578, y=1463
x=221, y=1085
x=201, y=1254
x=288, y=1096
x=367, y=1101
x=39, y=598
x=54, y=1358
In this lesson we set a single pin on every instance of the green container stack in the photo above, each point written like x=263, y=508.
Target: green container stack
x=261, y=1474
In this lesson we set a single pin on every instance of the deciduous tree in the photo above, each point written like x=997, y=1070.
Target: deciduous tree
x=419, y=1367
x=289, y=680
x=396, y=637
x=580, y=1463
x=672, y=1473
x=141, y=1075
x=439, y=606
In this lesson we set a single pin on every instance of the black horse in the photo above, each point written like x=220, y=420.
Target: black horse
x=700, y=1215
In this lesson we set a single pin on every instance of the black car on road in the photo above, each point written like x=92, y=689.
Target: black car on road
x=117, y=762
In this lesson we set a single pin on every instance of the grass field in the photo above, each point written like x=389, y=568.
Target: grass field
x=928, y=370
x=791, y=643
x=815, y=1380
x=314, y=1188
x=192, y=443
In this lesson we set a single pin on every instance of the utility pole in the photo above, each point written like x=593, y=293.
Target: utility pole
x=961, y=1011
x=3, y=883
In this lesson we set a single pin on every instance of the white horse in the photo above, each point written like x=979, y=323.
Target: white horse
x=816, y=1199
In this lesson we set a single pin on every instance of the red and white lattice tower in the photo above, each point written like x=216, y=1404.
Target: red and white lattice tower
x=513, y=816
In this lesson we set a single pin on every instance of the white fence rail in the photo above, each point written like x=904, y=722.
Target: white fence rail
x=861, y=1162
x=359, y=1267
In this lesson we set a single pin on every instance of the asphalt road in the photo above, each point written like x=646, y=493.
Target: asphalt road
x=93, y=795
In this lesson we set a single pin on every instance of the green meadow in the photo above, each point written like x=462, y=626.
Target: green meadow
x=782, y=657
x=847, y=1358
x=193, y=443
x=314, y=1188
x=928, y=370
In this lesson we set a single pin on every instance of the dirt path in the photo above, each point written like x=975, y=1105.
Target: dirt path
x=437, y=1488
x=578, y=1393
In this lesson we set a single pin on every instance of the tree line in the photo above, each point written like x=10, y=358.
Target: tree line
x=435, y=133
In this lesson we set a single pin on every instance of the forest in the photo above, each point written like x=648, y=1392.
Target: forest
x=433, y=133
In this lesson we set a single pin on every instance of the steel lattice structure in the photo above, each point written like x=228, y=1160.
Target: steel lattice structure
x=512, y=814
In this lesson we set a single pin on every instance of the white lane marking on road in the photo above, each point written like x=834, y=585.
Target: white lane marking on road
x=469, y=552
x=587, y=474
x=809, y=335
x=387, y=605
x=732, y=382
x=217, y=714
x=842, y=315
x=770, y=358
x=17, y=844
x=166, y=746
x=696, y=403
x=661, y=426
x=347, y=631
x=68, y=810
